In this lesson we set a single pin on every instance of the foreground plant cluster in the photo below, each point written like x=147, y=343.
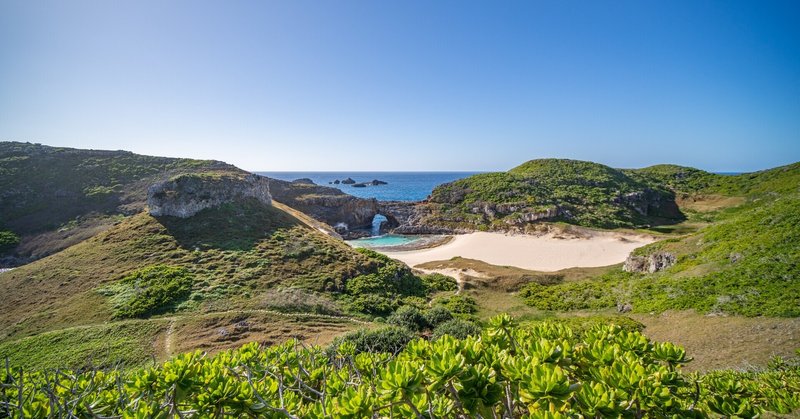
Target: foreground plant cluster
x=541, y=371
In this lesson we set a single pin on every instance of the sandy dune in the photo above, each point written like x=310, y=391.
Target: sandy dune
x=540, y=253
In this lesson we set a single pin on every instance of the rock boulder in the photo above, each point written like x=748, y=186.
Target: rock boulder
x=655, y=262
x=185, y=195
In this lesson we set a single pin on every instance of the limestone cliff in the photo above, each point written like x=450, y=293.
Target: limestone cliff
x=186, y=195
x=655, y=262
x=345, y=212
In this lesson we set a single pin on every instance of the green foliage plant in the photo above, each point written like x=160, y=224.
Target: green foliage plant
x=541, y=371
x=148, y=290
x=8, y=241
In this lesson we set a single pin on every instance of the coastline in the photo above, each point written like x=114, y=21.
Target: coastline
x=546, y=253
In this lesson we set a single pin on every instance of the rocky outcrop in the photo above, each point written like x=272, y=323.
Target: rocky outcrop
x=374, y=182
x=624, y=308
x=186, y=195
x=330, y=205
x=348, y=181
x=410, y=218
x=304, y=180
x=654, y=262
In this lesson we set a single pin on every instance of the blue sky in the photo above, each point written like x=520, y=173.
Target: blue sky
x=405, y=85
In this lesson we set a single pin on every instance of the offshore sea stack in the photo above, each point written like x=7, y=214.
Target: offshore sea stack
x=185, y=195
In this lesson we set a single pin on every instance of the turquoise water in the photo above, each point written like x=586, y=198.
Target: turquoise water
x=387, y=240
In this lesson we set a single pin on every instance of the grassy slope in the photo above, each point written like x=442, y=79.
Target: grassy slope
x=240, y=256
x=589, y=193
x=687, y=180
x=55, y=197
x=746, y=261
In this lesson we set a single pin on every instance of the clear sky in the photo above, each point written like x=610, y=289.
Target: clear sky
x=407, y=85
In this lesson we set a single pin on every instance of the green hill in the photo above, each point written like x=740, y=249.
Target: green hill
x=241, y=263
x=54, y=197
x=125, y=280
x=687, y=180
x=232, y=257
x=746, y=261
x=577, y=192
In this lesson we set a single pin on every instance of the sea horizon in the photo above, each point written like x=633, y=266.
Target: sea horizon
x=407, y=186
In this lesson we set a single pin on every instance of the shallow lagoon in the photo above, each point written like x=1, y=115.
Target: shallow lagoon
x=387, y=240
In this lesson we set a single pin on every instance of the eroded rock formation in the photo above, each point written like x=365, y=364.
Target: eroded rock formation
x=186, y=195
x=655, y=262
x=330, y=205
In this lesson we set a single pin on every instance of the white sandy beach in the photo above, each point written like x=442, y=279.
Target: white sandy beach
x=541, y=253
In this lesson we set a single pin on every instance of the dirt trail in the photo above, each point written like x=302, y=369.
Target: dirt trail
x=169, y=338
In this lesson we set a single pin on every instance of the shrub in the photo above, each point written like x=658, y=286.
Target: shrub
x=390, y=339
x=439, y=282
x=544, y=371
x=409, y=317
x=386, y=286
x=374, y=304
x=457, y=328
x=460, y=304
x=8, y=241
x=152, y=289
x=297, y=300
x=437, y=315
x=569, y=296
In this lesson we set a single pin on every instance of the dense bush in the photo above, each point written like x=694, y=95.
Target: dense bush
x=507, y=371
x=459, y=304
x=439, y=282
x=388, y=339
x=457, y=328
x=437, y=315
x=409, y=317
x=8, y=241
x=148, y=290
x=388, y=285
x=569, y=296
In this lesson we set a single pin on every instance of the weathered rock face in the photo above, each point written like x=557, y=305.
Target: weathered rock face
x=330, y=205
x=186, y=195
x=649, y=264
x=304, y=180
x=409, y=218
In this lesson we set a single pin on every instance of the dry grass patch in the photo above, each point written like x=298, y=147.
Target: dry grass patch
x=216, y=332
x=718, y=342
x=706, y=203
x=477, y=273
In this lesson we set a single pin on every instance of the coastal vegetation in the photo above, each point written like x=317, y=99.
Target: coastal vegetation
x=380, y=338
x=745, y=262
x=8, y=241
x=541, y=371
x=577, y=192
x=55, y=197
x=389, y=286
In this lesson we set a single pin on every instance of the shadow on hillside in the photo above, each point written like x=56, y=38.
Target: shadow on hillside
x=234, y=226
x=665, y=213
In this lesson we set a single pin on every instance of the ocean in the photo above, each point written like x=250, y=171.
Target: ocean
x=402, y=186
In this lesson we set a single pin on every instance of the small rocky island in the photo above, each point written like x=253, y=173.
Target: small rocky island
x=353, y=183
